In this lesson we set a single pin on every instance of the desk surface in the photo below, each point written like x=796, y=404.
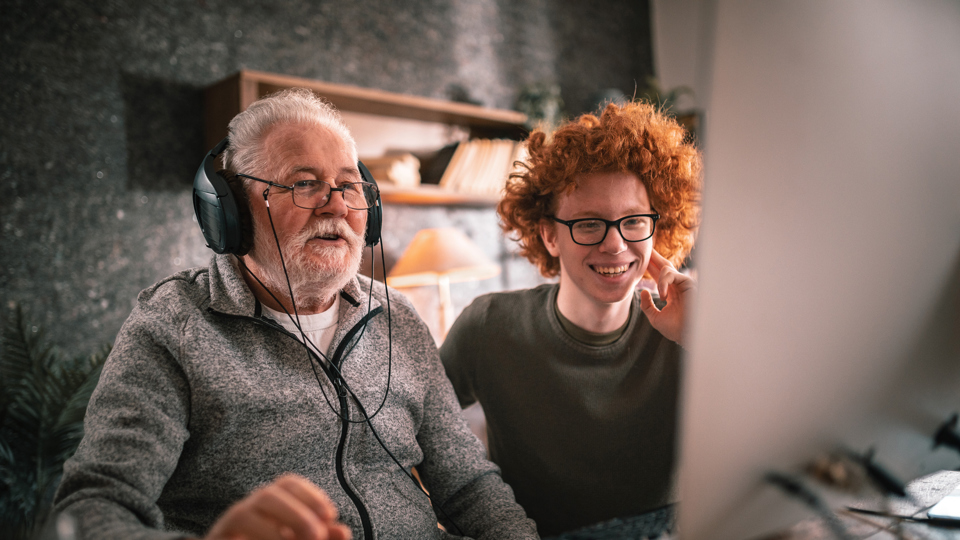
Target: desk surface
x=925, y=491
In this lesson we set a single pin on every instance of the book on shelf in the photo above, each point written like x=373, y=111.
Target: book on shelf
x=400, y=170
x=453, y=170
x=481, y=166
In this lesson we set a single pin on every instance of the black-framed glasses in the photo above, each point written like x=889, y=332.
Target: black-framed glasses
x=592, y=231
x=312, y=194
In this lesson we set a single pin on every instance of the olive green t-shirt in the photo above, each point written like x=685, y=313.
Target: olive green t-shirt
x=597, y=339
x=581, y=433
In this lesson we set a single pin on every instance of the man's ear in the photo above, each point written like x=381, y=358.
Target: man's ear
x=548, y=233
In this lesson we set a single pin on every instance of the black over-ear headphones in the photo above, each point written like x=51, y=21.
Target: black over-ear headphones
x=223, y=211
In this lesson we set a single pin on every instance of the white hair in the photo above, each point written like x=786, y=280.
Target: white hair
x=244, y=154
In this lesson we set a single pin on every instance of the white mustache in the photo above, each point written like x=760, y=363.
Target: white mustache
x=338, y=227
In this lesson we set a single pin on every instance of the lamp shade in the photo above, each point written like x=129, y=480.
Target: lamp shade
x=434, y=254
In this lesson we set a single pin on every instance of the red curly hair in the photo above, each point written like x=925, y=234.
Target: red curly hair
x=636, y=138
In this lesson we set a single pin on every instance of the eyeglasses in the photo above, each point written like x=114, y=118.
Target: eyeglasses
x=312, y=194
x=592, y=231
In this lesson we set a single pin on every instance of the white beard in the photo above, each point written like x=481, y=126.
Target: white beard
x=315, y=275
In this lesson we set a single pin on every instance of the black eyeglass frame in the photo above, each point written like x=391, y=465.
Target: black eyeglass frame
x=655, y=216
x=341, y=189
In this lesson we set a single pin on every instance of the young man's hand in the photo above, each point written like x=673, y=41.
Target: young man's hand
x=678, y=290
x=289, y=508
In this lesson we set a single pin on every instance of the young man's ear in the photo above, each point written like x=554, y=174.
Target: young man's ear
x=548, y=233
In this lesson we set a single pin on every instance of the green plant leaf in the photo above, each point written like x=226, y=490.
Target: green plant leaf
x=44, y=400
x=15, y=362
x=664, y=99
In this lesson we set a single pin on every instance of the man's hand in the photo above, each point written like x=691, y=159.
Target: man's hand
x=289, y=508
x=678, y=290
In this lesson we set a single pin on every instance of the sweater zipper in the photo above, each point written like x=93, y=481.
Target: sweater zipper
x=337, y=360
x=344, y=406
x=341, y=475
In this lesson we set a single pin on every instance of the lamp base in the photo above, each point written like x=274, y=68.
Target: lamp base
x=446, y=305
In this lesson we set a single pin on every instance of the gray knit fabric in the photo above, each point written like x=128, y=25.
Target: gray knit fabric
x=582, y=433
x=202, y=400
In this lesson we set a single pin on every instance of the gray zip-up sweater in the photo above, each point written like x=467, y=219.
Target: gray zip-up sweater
x=203, y=400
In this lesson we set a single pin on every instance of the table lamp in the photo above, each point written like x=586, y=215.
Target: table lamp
x=441, y=257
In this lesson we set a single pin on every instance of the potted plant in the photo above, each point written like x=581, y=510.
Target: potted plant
x=43, y=398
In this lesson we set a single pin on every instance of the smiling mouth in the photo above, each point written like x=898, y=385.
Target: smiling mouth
x=327, y=236
x=611, y=270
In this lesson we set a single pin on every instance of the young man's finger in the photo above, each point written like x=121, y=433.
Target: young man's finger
x=654, y=265
x=668, y=277
x=647, y=305
x=660, y=260
x=657, y=264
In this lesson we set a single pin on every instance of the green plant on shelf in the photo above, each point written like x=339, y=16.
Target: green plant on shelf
x=543, y=105
x=43, y=398
x=663, y=98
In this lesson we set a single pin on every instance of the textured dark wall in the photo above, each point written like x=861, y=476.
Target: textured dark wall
x=102, y=119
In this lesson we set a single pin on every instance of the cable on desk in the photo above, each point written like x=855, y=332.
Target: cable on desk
x=794, y=488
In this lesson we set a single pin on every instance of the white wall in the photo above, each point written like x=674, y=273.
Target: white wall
x=682, y=47
x=829, y=255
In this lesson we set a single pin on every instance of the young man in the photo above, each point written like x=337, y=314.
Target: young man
x=276, y=394
x=579, y=380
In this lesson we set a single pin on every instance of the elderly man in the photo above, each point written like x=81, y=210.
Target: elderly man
x=276, y=393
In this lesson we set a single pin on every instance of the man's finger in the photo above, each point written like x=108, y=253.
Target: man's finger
x=243, y=521
x=309, y=494
x=277, y=504
x=654, y=265
x=647, y=305
x=340, y=531
x=668, y=276
x=655, y=256
x=657, y=263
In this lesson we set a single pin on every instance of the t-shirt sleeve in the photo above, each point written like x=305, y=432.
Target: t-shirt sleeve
x=459, y=351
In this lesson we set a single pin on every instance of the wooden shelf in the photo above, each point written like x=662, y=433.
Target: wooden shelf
x=430, y=194
x=224, y=99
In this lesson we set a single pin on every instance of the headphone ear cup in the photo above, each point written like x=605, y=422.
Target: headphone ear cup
x=244, y=217
x=215, y=206
x=374, y=223
x=374, y=213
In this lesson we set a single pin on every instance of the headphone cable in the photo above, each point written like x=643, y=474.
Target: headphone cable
x=309, y=351
x=296, y=321
x=306, y=341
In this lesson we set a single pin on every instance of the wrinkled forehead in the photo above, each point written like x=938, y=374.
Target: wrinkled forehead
x=289, y=147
